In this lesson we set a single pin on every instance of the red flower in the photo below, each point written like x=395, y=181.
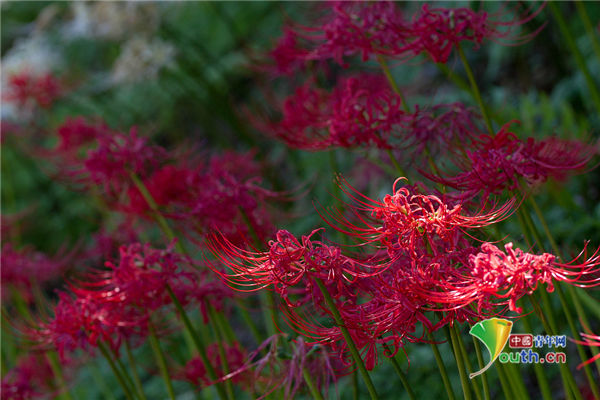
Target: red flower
x=195, y=372
x=360, y=111
x=25, y=88
x=589, y=340
x=497, y=163
x=30, y=379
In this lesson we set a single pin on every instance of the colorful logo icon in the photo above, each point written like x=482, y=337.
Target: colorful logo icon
x=493, y=333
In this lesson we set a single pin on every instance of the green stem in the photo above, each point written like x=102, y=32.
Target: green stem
x=116, y=371
x=349, y=342
x=579, y=59
x=395, y=162
x=460, y=364
x=248, y=320
x=197, y=342
x=392, y=81
x=484, y=380
x=160, y=359
x=589, y=28
x=564, y=303
x=537, y=368
x=220, y=335
x=60, y=379
x=465, y=356
x=314, y=391
x=475, y=89
x=355, y=387
x=457, y=80
x=162, y=222
x=516, y=381
x=506, y=387
x=134, y=372
x=400, y=373
x=441, y=367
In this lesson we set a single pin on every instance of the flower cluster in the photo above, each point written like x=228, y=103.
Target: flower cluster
x=27, y=89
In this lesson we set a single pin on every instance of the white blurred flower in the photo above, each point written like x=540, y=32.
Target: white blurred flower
x=141, y=58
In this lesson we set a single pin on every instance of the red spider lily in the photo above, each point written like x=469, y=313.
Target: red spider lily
x=494, y=274
x=351, y=28
x=139, y=279
x=26, y=268
x=30, y=379
x=76, y=132
x=25, y=88
x=222, y=194
x=195, y=372
x=439, y=128
x=589, y=340
x=361, y=110
x=437, y=31
x=119, y=155
x=497, y=163
x=411, y=221
x=80, y=322
x=291, y=265
x=379, y=28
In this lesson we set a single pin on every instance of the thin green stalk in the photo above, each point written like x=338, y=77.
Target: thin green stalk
x=160, y=359
x=220, y=335
x=162, y=222
x=589, y=28
x=484, y=380
x=564, y=303
x=460, y=365
x=579, y=59
x=475, y=89
x=134, y=372
x=457, y=80
x=465, y=356
x=395, y=162
x=392, y=81
x=197, y=342
x=349, y=342
x=356, y=388
x=116, y=372
x=314, y=391
x=100, y=382
x=540, y=372
x=441, y=367
x=506, y=388
x=516, y=380
x=550, y=328
x=248, y=320
x=400, y=373
x=60, y=379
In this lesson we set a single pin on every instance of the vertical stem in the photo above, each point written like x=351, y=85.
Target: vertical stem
x=136, y=377
x=160, y=359
x=400, y=373
x=465, y=356
x=392, y=81
x=220, y=335
x=197, y=342
x=349, y=342
x=162, y=222
x=461, y=366
x=538, y=369
x=314, y=390
x=516, y=380
x=589, y=29
x=484, y=380
x=441, y=367
x=506, y=388
x=248, y=320
x=57, y=370
x=475, y=89
x=564, y=303
x=356, y=391
x=576, y=53
x=116, y=371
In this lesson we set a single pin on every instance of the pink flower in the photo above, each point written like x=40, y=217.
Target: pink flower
x=195, y=372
